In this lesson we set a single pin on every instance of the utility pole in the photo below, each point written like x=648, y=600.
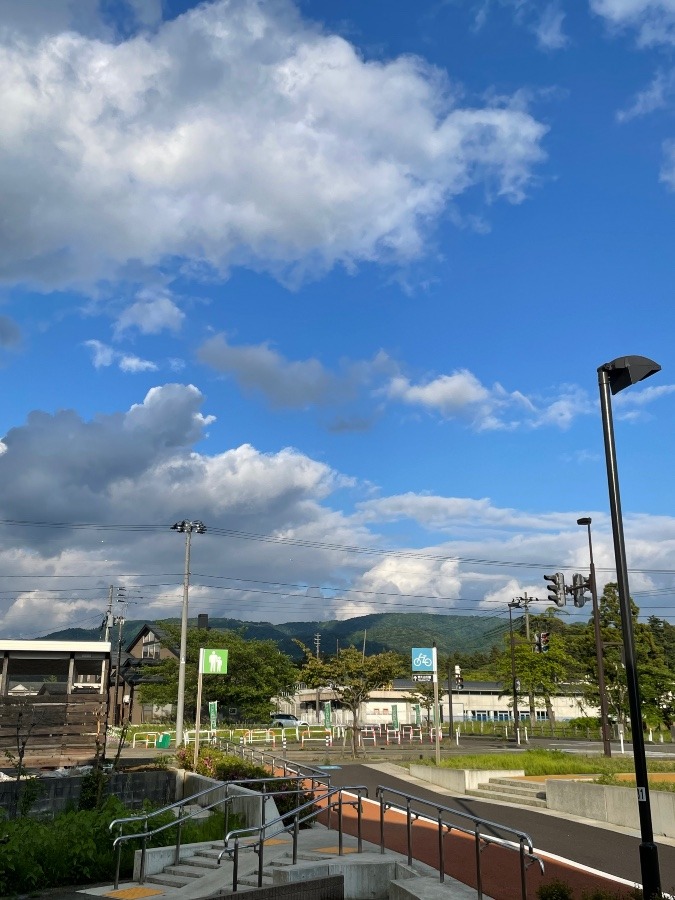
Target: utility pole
x=451, y=718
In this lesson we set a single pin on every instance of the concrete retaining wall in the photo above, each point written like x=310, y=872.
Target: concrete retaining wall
x=248, y=802
x=606, y=803
x=461, y=780
x=132, y=788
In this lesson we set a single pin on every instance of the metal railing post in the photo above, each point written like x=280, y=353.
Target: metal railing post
x=235, y=864
x=340, y=841
x=382, y=822
x=479, y=874
x=179, y=834
x=441, y=855
x=408, y=829
x=144, y=848
x=359, y=813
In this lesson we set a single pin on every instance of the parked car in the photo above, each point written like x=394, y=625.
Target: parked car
x=284, y=720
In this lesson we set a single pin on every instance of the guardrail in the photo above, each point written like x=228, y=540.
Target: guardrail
x=481, y=840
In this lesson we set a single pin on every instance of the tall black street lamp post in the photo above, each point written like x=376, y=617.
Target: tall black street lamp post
x=604, y=719
x=614, y=376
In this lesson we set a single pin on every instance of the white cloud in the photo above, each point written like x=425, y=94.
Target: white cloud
x=150, y=314
x=654, y=97
x=654, y=20
x=104, y=356
x=462, y=395
x=549, y=28
x=136, y=472
x=135, y=364
x=235, y=134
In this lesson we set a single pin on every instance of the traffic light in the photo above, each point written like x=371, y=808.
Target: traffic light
x=537, y=643
x=556, y=590
x=544, y=638
x=579, y=587
x=459, y=678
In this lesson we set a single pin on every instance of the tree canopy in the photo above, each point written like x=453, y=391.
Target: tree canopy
x=257, y=671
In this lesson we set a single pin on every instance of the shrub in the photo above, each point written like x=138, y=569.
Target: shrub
x=555, y=890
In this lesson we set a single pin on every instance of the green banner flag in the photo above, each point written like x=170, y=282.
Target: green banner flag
x=418, y=714
x=213, y=714
x=212, y=661
x=327, y=714
x=394, y=715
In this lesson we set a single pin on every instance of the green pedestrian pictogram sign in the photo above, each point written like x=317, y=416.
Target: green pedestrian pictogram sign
x=212, y=661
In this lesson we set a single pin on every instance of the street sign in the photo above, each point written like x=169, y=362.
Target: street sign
x=423, y=659
x=422, y=676
x=212, y=661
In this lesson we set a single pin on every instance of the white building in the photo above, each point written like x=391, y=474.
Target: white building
x=478, y=701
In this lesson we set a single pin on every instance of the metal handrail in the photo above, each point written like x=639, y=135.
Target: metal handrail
x=145, y=818
x=258, y=831
x=275, y=762
x=526, y=852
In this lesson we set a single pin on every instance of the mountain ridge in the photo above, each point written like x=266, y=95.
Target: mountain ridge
x=380, y=632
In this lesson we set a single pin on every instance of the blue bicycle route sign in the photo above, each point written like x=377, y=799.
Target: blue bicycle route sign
x=423, y=659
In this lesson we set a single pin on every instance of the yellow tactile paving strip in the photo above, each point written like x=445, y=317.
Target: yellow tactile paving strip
x=335, y=850
x=134, y=893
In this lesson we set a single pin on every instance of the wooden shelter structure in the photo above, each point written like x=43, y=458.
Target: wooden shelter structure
x=53, y=701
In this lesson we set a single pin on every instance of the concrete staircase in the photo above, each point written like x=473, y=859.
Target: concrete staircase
x=512, y=790
x=367, y=874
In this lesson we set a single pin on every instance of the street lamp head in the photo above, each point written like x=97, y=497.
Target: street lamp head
x=179, y=526
x=585, y=521
x=626, y=370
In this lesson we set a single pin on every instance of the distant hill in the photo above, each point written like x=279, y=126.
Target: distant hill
x=382, y=631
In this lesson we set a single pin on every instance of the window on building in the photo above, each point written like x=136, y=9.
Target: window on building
x=541, y=715
x=150, y=646
x=502, y=715
x=481, y=715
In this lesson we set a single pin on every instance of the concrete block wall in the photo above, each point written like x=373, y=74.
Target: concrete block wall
x=461, y=780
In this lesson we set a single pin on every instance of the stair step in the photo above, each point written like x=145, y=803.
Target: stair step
x=252, y=880
x=494, y=795
x=522, y=785
x=202, y=862
x=184, y=871
x=511, y=790
x=169, y=880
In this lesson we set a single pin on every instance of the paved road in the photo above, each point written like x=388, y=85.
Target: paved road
x=613, y=852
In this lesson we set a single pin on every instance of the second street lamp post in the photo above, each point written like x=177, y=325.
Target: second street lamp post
x=614, y=376
x=604, y=720
x=187, y=528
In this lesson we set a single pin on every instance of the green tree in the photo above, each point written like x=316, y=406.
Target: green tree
x=352, y=677
x=656, y=679
x=539, y=674
x=256, y=671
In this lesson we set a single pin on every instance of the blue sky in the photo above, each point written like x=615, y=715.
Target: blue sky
x=333, y=278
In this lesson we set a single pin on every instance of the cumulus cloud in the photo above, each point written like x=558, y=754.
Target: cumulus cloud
x=462, y=396
x=275, y=548
x=654, y=20
x=33, y=19
x=103, y=356
x=237, y=133
x=150, y=314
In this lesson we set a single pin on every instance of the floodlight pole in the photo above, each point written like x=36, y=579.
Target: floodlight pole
x=187, y=528
x=615, y=376
x=604, y=720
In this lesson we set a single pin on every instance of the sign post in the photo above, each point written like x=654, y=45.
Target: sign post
x=425, y=668
x=211, y=662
